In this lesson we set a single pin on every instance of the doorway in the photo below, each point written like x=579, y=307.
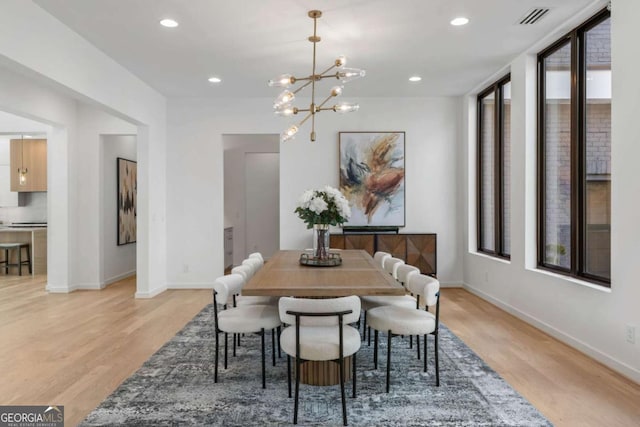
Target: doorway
x=252, y=193
x=23, y=195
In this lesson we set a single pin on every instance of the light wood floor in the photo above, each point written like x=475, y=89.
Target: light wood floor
x=75, y=349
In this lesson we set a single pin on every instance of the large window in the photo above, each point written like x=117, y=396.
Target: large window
x=574, y=184
x=494, y=169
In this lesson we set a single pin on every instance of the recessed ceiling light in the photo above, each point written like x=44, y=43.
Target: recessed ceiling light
x=27, y=136
x=415, y=78
x=215, y=79
x=461, y=20
x=169, y=23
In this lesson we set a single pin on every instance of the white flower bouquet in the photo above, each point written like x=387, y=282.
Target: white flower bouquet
x=325, y=206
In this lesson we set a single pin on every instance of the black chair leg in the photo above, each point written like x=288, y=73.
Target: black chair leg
x=353, y=373
x=289, y=374
x=425, y=352
x=344, y=403
x=364, y=326
x=375, y=349
x=226, y=336
x=388, y=361
x=19, y=261
x=295, y=405
x=273, y=346
x=369, y=335
x=279, y=332
x=29, y=259
x=418, y=345
x=215, y=374
x=437, y=365
x=264, y=382
x=234, y=344
x=411, y=343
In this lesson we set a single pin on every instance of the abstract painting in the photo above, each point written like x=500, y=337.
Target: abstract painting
x=127, y=200
x=372, y=177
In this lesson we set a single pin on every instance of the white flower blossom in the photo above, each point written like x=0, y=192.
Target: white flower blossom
x=318, y=205
x=305, y=199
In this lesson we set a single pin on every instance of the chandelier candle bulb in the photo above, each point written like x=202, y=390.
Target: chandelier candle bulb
x=349, y=74
x=290, y=133
x=345, y=107
x=282, y=103
x=283, y=99
x=285, y=80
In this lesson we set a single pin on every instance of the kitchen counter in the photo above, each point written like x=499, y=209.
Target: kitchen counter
x=9, y=228
x=36, y=237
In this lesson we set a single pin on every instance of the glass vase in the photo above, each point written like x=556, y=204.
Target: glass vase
x=321, y=241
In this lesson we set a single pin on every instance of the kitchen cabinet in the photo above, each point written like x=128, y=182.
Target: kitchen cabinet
x=228, y=247
x=8, y=198
x=30, y=154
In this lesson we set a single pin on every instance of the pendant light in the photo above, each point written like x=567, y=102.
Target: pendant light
x=22, y=172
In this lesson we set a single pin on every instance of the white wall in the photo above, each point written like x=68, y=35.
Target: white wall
x=262, y=198
x=117, y=261
x=235, y=149
x=60, y=65
x=587, y=317
x=195, y=214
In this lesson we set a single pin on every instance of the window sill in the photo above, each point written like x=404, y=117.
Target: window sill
x=571, y=280
x=491, y=257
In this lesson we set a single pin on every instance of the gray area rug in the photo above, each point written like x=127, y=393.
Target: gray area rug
x=175, y=387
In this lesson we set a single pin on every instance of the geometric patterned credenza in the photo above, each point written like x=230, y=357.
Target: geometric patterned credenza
x=419, y=250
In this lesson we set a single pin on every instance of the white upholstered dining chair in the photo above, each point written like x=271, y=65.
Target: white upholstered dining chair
x=320, y=331
x=240, y=320
x=379, y=258
x=391, y=266
x=395, y=320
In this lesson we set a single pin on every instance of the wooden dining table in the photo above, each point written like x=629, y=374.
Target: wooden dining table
x=283, y=275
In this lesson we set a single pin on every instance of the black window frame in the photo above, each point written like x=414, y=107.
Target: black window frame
x=578, y=104
x=497, y=88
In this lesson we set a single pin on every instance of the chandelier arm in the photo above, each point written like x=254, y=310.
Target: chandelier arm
x=329, y=76
x=305, y=119
x=322, y=74
x=302, y=87
x=319, y=107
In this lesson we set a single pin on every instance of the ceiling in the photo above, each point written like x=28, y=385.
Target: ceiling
x=247, y=42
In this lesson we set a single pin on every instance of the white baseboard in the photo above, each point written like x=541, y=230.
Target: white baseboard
x=117, y=278
x=150, y=294
x=190, y=285
x=95, y=286
x=60, y=289
x=618, y=366
x=452, y=284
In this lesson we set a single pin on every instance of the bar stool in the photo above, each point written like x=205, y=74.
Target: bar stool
x=7, y=261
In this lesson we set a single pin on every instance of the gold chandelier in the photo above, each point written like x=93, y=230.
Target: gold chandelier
x=282, y=104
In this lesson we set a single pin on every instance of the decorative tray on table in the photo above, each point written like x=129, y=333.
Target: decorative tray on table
x=333, y=260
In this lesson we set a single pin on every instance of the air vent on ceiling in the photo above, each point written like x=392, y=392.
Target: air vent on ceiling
x=533, y=16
